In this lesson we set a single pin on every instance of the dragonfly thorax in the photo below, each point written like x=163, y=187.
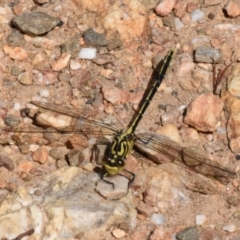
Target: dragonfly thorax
x=118, y=151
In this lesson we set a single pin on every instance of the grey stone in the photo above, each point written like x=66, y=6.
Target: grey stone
x=92, y=38
x=36, y=23
x=207, y=55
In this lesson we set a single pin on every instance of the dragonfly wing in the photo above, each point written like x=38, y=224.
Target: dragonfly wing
x=153, y=145
x=158, y=147
x=63, y=112
x=194, y=159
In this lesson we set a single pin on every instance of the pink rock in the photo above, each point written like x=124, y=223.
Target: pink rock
x=204, y=112
x=18, y=53
x=40, y=155
x=232, y=8
x=165, y=7
x=62, y=62
x=180, y=8
x=117, y=96
x=161, y=233
x=191, y=7
x=232, y=105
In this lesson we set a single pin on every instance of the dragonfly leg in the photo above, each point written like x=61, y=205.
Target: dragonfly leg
x=106, y=181
x=131, y=180
x=95, y=152
x=145, y=141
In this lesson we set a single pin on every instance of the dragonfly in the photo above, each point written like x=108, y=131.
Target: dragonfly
x=123, y=141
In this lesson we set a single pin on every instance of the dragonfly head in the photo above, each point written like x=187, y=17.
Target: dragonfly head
x=114, y=166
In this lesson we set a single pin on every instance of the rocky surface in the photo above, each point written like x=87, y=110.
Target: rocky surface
x=95, y=59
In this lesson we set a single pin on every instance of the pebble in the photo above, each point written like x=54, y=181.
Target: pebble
x=118, y=233
x=75, y=157
x=62, y=62
x=11, y=121
x=36, y=23
x=232, y=8
x=25, y=78
x=189, y=233
x=231, y=227
x=178, y=24
x=73, y=47
x=15, y=38
x=7, y=163
x=207, y=55
x=180, y=9
x=200, y=219
x=92, y=38
x=87, y=53
x=18, y=53
x=169, y=21
x=74, y=65
x=17, y=106
x=64, y=77
x=165, y=7
x=44, y=93
x=204, y=112
x=40, y=155
x=197, y=15
x=157, y=219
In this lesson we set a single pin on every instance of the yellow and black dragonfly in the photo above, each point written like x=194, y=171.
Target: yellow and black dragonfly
x=124, y=140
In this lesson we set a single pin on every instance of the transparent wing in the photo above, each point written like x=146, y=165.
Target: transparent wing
x=57, y=119
x=162, y=149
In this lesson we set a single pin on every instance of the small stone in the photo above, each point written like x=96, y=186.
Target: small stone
x=15, y=71
x=7, y=163
x=74, y=65
x=212, y=2
x=165, y=7
x=236, y=215
x=75, y=157
x=169, y=21
x=139, y=234
x=188, y=233
x=92, y=38
x=200, y=219
x=180, y=9
x=197, y=15
x=38, y=192
x=87, y=53
x=25, y=78
x=11, y=121
x=157, y=219
x=161, y=233
x=207, y=55
x=40, y=155
x=232, y=8
x=204, y=112
x=88, y=167
x=62, y=62
x=191, y=7
x=103, y=59
x=73, y=46
x=145, y=209
x=78, y=142
x=40, y=2
x=36, y=23
x=64, y=77
x=18, y=53
x=178, y=24
x=118, y=233
x=44, y=93
x=211, y=16
x=231, y=227
x=16, y=39
x=39, y=57
x=233, y=200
